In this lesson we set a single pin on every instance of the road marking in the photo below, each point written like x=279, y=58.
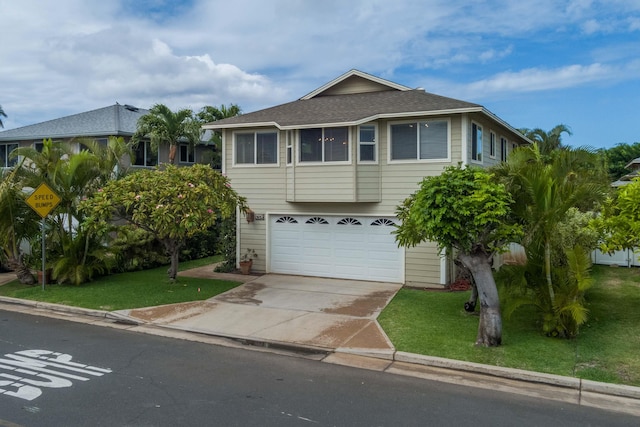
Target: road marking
x=33, y=367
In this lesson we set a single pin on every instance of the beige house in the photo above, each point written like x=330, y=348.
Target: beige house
x=325, y=173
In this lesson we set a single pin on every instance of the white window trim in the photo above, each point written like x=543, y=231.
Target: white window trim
x=493, y=144
x=290, y=137
x=255, y=165
x=444, y=160
x=324, y=163
x=375, y=144
x=478, y=125
x=506, y=148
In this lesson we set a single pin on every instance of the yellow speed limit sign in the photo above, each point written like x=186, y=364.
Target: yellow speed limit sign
x=43, y=200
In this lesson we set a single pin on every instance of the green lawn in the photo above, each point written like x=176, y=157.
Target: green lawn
x=127, y=290
x=607, y=348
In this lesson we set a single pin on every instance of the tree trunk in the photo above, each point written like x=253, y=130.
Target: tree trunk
x=490, y=325
x=173, y=148
x=172, y=249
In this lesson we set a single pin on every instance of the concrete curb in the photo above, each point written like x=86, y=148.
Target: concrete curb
x=615, y=397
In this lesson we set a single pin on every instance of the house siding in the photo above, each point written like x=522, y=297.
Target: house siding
x=353, y=85
x=298, y=189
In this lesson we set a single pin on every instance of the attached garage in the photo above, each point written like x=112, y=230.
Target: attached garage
x=346, y=247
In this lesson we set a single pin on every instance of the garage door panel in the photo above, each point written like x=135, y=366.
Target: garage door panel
x=333, y=246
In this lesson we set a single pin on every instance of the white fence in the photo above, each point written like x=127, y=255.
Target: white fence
x=626, y=258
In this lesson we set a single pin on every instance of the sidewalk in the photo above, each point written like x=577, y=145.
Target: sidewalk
x=332, y=321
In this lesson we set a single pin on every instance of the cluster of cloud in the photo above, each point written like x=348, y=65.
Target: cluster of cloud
x=71, y=55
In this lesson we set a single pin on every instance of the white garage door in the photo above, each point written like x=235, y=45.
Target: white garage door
x=346, y=247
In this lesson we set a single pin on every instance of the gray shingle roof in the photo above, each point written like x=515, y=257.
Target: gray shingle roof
x=115, y=120
x=347, y=109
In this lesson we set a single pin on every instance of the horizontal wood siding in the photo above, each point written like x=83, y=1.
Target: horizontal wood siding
x=368, y=183
x=422, y=265
x=325, y=183
x=489, y=126
x=354, y=84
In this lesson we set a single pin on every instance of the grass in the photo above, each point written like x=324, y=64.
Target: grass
x=435, y=324
x=127, y=290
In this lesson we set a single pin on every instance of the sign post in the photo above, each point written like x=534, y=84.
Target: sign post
x=43, y=200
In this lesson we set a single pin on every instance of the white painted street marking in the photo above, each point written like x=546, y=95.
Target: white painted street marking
x=34, y=367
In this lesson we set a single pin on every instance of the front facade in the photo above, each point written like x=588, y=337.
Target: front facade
x=115, y=120
x=324, y=174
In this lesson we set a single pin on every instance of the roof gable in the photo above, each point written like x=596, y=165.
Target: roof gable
x=352, y=82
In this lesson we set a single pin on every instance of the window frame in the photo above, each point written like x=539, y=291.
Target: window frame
x=191, y=154
x=301, y=162
x=373, y=144
x=147, y=155
x=6, y=163
x=255, y=133
x=477, y=146
x=492, y=144
x=417, y=159
x=504, y=152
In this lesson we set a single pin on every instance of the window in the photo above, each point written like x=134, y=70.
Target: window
x=492, y=145
x=144, y=155
x=5, y=159
x=324, y=145
x=187, y=154
x=289, y=148
x=476, y=142
x=425, y=140
x=367, y=143
x=38, y=145
x=503, y=149
x=256, y=148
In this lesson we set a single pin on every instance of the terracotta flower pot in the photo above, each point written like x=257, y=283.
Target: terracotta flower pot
x=245, y=266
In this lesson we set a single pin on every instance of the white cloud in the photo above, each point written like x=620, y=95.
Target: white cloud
x=71, y=55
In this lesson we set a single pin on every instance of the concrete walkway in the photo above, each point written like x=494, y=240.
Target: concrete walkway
x=310, y=312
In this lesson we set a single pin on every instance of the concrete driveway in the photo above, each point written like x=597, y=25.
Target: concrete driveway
x=326, y=314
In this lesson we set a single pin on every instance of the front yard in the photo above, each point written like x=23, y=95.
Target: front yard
x=607, y=348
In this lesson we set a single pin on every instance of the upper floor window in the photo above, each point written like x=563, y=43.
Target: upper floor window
x=476, y=142
x=256, y=148
x=503, y=149
x=423, y=140
x=145, y=155
x=5, y=151
x=324, y=145
x=187, y=154
x=492, y=145
x=367, y=143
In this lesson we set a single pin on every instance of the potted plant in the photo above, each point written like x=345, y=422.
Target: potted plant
x=246, y=261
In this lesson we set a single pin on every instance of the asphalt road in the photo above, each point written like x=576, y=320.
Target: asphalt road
x=59, y=373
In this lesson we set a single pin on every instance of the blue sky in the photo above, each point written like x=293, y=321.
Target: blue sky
x=534, y=64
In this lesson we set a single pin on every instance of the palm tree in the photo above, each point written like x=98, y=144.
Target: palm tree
x=544, y=188
x=73, y=176
x=547, y=141
x=2, y=113
x=210, y=114
x=163, y=126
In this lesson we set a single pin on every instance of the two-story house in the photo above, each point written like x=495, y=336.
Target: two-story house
x=325, y=173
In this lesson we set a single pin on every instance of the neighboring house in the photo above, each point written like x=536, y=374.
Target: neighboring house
x=634, y=167
x=115, y=120
x=325, y=173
